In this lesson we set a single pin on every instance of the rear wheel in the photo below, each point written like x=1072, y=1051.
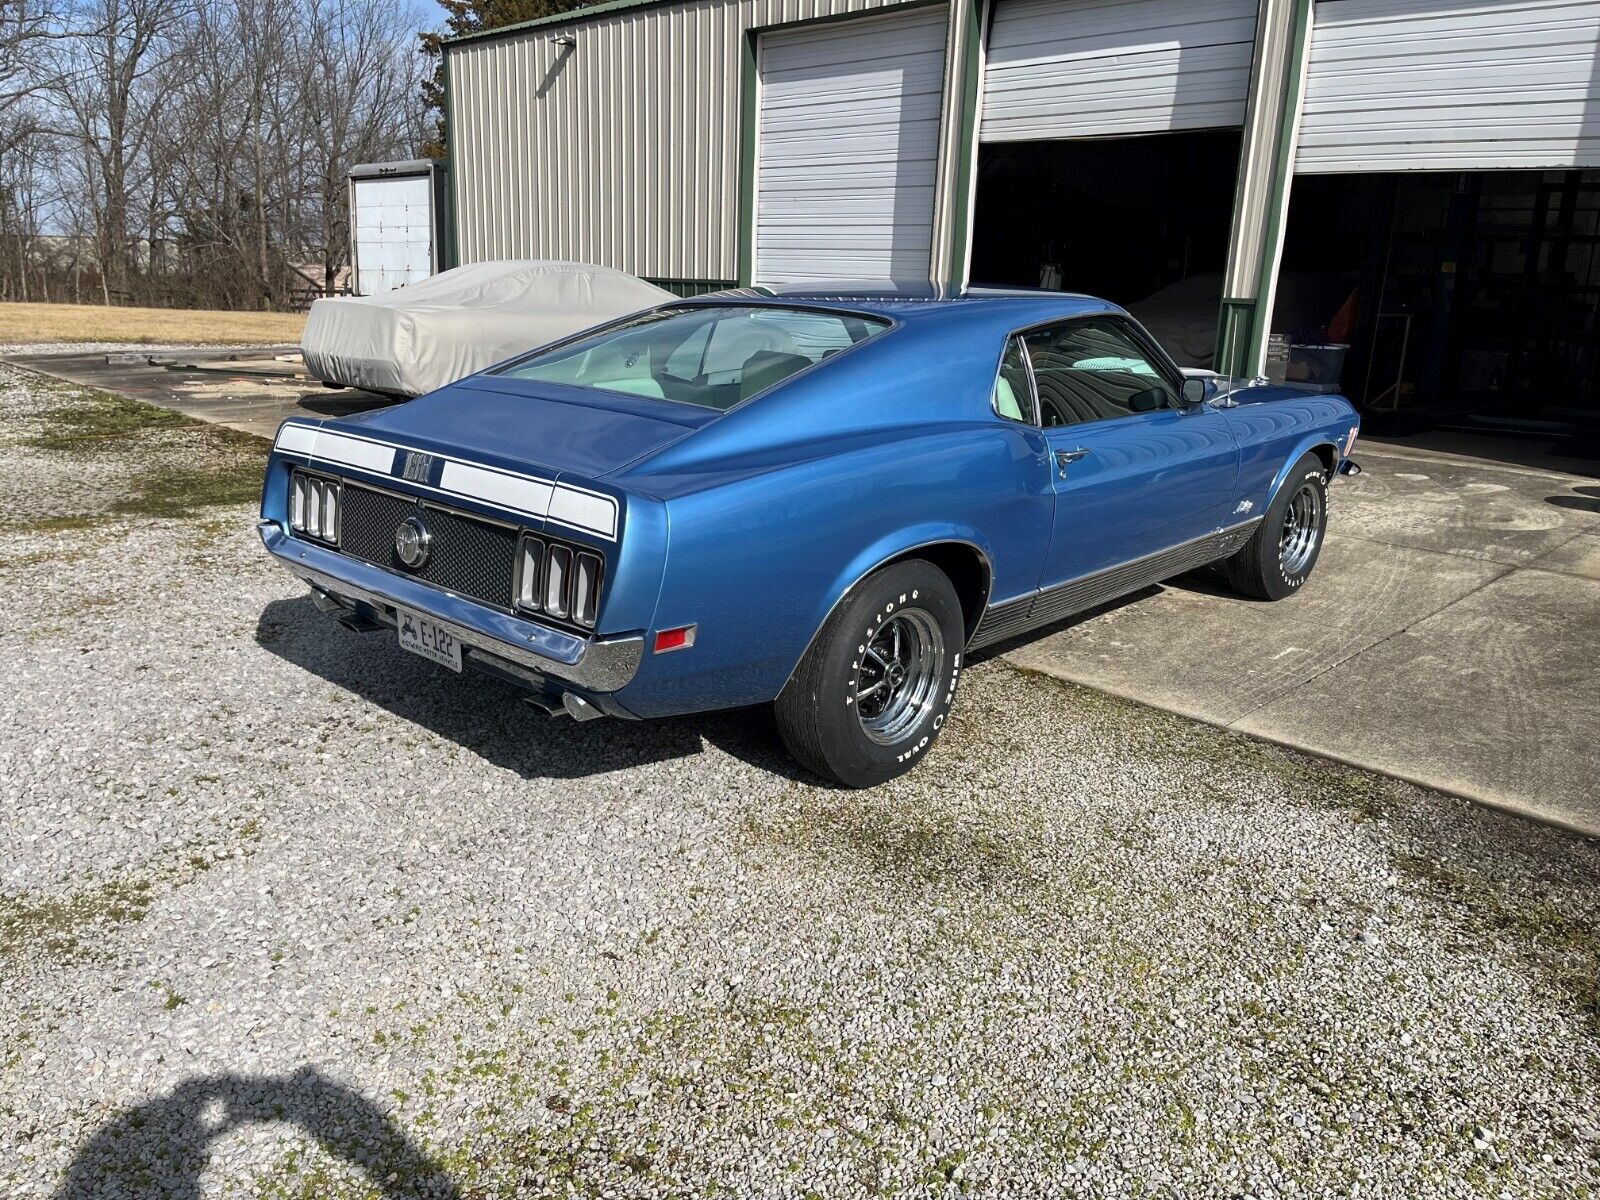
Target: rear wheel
x=874, y=689
x=1279, y=556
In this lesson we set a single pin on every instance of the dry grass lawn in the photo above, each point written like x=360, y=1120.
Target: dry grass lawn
x=23, y=323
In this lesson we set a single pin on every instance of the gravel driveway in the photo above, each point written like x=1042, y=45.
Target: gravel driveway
x=285, y=912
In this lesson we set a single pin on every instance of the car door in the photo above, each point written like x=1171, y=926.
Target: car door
x=1136, y=470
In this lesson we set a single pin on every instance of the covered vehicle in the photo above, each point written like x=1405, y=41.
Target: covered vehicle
x=417, y=338
x=820, y=498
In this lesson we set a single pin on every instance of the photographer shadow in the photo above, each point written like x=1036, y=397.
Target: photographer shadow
x=162, y=1148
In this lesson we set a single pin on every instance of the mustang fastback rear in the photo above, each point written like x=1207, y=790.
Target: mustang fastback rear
x=821, y=500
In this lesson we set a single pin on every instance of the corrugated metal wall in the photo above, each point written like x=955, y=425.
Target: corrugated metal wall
x=622, y=150
x=1451, y=85
x=1108, y=68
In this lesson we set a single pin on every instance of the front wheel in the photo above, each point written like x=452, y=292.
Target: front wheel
x=1280, y=554
x=874, y=689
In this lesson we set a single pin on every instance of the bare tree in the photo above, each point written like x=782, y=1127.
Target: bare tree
x=112, y=89
x=359, y=85
x=201, y=146
x=27, y=28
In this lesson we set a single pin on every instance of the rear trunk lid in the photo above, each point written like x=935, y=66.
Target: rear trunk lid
x=521, y=425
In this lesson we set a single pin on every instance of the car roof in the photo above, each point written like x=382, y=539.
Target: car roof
x=910, y=301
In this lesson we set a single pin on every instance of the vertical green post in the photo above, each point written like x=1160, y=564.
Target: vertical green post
x=747, y=161
x=1282, y=180
x=969, y=57
x=449, y=256
x=1266, y=173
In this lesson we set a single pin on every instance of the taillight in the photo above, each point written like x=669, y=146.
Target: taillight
x=314, y=504
x=558, y=580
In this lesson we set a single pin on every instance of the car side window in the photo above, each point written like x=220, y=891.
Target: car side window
x=1094, y=369
x=1013, y=392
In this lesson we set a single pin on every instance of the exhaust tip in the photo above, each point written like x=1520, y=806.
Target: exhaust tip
x=578, y=708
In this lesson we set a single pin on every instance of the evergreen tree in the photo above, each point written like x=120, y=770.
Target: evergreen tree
x=473, y=16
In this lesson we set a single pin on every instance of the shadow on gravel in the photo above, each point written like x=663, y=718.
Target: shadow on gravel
x=1066, y=623
x=162, y=1148
x=487, y=716
x=341, y=402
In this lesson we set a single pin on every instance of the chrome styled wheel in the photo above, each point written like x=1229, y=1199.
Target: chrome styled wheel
x=1302, y=527
x=873, y=691
x=902, y=669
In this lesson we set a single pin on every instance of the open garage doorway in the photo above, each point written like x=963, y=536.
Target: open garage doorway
x=1467, y=300
x=1142, y=221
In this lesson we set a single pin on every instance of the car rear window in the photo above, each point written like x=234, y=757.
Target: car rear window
x=710, y=355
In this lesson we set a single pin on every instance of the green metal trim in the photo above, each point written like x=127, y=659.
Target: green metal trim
x=1233, y=332
x=854, y=14
x=970, y=58
x=1282, y=179
x=451, y=255
x=579, y=15
x=693, y=287
x=747, y=159
x=566, y=18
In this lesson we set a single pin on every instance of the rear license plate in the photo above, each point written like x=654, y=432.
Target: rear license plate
x=421, y=636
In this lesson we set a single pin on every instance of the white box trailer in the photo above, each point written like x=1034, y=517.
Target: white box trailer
x=397, y=224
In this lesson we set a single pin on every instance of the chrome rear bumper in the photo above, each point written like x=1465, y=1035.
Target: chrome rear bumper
x=593, y=664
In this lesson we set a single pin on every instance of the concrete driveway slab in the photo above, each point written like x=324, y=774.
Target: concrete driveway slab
x=1198, y=649
x=1474, y=510
x=1580, y=556
x=245, y=402
x=1496, y=696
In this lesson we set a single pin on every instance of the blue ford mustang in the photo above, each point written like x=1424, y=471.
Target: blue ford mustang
x=822, y=499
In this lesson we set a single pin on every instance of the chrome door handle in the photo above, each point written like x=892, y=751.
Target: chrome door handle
x=1064, y=458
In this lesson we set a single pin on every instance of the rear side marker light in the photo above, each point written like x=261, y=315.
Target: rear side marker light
x=1350, y=442
x=680, y=638
x=314, y=503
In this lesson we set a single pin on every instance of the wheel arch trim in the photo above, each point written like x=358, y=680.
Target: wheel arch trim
x=877, y=559
x=1320, y=444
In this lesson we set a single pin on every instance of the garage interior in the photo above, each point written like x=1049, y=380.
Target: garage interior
x=1143, y=221
x=1469, y=300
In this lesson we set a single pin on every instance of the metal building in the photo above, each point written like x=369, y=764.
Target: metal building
x=1410, y=187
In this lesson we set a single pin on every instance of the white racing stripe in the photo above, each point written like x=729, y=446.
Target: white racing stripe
x=584, y=510
x=529, y=495
x=518, y=493
x=354, y=452
x=296, y=439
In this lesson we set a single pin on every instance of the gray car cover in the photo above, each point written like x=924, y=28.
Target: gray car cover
x=418, y=338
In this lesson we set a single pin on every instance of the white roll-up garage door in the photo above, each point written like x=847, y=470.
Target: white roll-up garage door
x=1396, y=85
x=1108, y=68
x=393, y=233
x=848, y=149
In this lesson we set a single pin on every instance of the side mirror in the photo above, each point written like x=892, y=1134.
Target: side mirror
x=1195, y=392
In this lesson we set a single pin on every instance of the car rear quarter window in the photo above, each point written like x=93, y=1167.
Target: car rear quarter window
x=1013, y=393
x=713, y=356
x=1095, y=369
